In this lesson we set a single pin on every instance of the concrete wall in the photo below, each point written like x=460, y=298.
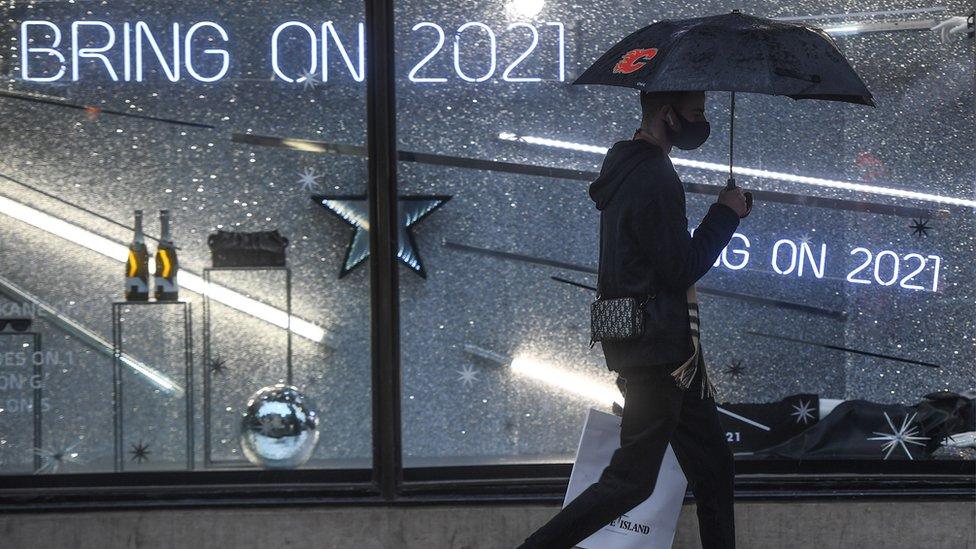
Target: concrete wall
x=796, y=525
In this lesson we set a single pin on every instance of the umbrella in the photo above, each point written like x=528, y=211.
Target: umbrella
x=732, y=52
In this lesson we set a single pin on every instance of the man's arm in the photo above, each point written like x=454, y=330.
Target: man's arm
x=681, y=259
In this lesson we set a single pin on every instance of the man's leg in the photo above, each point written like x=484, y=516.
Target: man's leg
x=701, y=448
x=649, y=417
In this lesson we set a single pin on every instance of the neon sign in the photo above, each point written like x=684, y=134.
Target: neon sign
x=800, y=259
x=125, y=52
x=491, y=54
x=138, y=37
x=328, y=31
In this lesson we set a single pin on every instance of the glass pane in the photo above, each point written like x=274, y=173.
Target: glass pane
x=827, y=302
x=233, y=118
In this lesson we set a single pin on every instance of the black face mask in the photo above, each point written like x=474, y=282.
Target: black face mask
x=691, y=135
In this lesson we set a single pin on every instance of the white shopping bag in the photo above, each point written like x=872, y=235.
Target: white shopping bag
x=649, y=525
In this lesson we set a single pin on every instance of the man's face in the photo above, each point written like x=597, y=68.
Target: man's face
x=692, y=106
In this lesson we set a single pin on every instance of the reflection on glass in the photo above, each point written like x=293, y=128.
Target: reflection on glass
x=195, y=109
x=850, y=283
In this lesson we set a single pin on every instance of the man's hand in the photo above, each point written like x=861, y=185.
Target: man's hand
x=737, y=200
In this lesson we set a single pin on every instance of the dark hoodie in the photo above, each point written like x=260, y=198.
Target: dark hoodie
x=647, y=249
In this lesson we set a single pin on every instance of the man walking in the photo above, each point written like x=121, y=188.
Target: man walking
x=668, y=398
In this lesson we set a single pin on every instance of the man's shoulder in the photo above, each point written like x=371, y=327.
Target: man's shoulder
x=653, y=177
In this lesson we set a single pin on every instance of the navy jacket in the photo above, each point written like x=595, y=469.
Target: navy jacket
x=647, y=249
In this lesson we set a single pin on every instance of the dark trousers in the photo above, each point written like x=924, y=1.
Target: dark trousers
x=656, y=411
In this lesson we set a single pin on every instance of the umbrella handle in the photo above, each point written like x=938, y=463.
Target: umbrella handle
x=730, y=184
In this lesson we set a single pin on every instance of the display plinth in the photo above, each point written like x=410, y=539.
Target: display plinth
x=210, y=358
x=144, y=362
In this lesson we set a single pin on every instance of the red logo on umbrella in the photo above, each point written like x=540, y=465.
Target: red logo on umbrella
x=634, y=59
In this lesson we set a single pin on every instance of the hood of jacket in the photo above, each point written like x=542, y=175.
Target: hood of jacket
x=622, y=154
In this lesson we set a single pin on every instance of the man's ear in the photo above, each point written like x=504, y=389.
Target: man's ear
x=667, y=114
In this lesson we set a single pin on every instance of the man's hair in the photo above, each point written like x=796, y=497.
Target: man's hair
x=651, y=102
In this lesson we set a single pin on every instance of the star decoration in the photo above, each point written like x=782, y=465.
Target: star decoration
x=52, y=460
x=307, y=180
x=920, y=227
x=468, y=375
x=735, y=369
x=805, y=239
x=307, y=80
x=354, y=210
x=218, y=365
x=140, y=452
x=804, y=411
x=907, y=433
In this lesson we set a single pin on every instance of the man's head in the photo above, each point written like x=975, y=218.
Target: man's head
x=676, y=118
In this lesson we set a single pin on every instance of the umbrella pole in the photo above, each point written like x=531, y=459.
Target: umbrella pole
x=730, y=184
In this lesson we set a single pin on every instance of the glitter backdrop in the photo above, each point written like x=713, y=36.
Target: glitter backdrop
x=490, y=253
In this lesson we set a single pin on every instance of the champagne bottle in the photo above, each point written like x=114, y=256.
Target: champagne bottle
x=166, y=263
x=137, y=265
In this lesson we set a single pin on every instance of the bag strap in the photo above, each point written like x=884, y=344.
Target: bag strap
x=626, y=172
x=599, y=261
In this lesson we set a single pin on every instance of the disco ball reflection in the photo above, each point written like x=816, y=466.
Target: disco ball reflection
x=279, y=429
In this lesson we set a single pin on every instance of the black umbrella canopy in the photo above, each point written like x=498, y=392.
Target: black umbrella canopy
x=731, y=52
